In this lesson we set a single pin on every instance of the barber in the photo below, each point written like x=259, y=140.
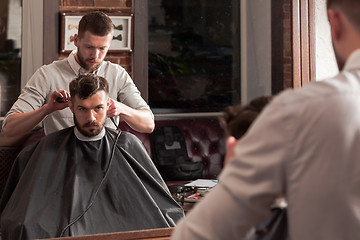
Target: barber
x=38, y=100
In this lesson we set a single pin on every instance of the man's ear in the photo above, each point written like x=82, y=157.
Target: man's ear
x=335, y=24
x=76, y=39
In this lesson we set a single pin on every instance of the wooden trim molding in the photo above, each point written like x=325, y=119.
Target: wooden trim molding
x=158, y=234
x=303, y=35
x=312, y=41
x=296, y=44
x=51, y=33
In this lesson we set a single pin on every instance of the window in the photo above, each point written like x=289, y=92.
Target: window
x=193, y=55
x=10, y=53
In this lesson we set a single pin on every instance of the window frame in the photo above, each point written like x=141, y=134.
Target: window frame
x=140, y=74
x=304, y=42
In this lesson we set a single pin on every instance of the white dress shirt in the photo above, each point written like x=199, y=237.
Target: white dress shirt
x=306, y=146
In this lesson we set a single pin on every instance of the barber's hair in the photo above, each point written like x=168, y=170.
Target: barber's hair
x=236, y=120
x=97, y=23
x=84, y=86
x=351, y=8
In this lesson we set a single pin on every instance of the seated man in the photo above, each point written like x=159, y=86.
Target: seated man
x=236, y=121
x=85, y=179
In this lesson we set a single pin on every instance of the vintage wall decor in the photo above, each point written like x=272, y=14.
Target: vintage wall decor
x=122, y=39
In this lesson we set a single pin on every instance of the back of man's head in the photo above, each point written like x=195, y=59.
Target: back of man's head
x=84, y=86
x=351, y=8
x=97, y=23
x=236, y=120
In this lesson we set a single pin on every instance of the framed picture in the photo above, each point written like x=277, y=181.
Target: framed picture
x=122, y=38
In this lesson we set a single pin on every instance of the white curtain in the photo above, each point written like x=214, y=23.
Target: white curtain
x=32, y=38
x=14, y=21
x=255, y=48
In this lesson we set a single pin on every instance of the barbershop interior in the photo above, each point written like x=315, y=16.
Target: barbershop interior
x=190, y=60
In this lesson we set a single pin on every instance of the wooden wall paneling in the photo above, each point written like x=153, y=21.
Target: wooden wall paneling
x=312, y=41
x=304, y=38
x=296, y=39
x=51, y=31
x=140, y=53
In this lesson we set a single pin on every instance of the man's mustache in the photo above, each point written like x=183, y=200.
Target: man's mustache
x=93, y=60
x=91, y=124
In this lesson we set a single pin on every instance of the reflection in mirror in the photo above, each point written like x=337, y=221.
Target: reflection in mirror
x=194, y=52
x=206, y=55
x=10, y=53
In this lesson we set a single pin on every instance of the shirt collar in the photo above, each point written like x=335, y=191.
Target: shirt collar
x=83, y=138
x=75, y=66
x=353, y=62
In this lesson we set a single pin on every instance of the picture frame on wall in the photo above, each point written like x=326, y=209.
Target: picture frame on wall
x=122, y=38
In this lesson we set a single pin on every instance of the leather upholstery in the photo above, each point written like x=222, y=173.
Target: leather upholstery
x=204, y=138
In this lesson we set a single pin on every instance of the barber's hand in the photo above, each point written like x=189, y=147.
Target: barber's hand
x=114, y=108
x=58, y=100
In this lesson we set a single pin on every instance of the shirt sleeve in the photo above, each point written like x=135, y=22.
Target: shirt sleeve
x=129, y=94
x=248, y=185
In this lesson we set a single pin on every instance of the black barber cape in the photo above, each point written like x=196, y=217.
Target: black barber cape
x=53, y=181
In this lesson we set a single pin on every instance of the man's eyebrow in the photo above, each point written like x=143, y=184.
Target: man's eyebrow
x=80, y=106
x=100, y=105
x=93, y=46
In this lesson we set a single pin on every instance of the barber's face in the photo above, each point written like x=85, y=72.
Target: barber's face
x=91, y=50
x=90, y=114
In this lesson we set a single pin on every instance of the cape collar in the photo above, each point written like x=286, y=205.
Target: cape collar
x=83, y=138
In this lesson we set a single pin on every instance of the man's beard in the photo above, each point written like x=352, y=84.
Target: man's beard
x=92, y=132
x=83, y=64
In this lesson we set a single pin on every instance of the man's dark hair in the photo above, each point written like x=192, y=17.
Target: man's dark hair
x=237, y=119
x=84, y=86
x=351, y=8
x=97, y=23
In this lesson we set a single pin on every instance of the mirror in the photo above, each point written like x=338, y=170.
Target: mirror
x=257, y=20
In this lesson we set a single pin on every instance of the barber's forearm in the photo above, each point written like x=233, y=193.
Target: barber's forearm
x=139, y=120
x=22, y=123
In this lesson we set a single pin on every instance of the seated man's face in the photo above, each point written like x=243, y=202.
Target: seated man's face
x=90, y=114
